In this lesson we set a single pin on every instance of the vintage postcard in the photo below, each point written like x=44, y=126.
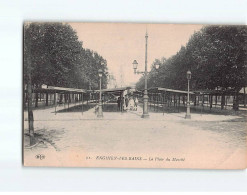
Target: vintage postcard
x=134, y=95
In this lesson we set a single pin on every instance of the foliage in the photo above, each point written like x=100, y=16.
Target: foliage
x=216, y=56
x=58, y=58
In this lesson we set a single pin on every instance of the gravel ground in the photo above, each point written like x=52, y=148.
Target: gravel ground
x=71, y=138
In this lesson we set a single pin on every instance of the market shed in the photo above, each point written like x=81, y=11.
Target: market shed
x=167, y=99
x=54, y=96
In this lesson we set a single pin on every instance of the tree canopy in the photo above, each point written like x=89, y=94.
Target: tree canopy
x=58, y=58
x=216, y=56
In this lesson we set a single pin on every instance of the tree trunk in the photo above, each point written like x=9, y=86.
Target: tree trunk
x=216, y=98
x=61, y=98
x=202, y=99
x=46, y=99
x=24, y=99
x=36, y=99
x=29, y=91
x=237, y=101
x=222, y=102
x=30, y=109
x=244, y=98
x=54, y=98
x=211, y=101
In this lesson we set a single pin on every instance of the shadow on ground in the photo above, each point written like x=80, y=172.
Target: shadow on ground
x=78, y=108
x=107, y=107
x=198, y=110
x=45, y=138
x=110, y=107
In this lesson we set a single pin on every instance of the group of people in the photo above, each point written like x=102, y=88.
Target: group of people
x=127, y=103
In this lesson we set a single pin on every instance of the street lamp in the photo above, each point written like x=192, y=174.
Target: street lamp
x=157, y=65
x=135, y=64
x=145, y=96
x=188, y=116
x=100, y=112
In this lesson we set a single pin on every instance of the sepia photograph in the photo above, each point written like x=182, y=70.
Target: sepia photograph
x=134, y=95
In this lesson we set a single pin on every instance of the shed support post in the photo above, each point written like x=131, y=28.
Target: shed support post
x=178, y=102
x=36, y=99
x=82, y=103
x=55, y=101
x=163, y=103
x=64, y=101
x=68, y=99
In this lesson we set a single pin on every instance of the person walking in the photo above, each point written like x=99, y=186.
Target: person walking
x=126, y=102
x=118, y=104
x=131, y=104
x=136, y=103
x=122, y=104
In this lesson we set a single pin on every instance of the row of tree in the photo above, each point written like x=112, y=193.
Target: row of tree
x=216, y=56
x=56, y=57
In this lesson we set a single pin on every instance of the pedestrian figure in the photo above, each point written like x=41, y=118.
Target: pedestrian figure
x=118, y=104
x=126, y=102
x=122, y=104
x=131, y=104
x=136, y=103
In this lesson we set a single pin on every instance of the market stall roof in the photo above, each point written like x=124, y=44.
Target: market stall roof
x=160, y=89
x=53, y=89
x=138, y=92
x=114, y=91
x=63, y=89
x=216, y=92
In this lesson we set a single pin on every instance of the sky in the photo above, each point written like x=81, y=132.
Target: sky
x=122, y=43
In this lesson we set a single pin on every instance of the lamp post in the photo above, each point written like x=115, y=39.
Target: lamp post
x=188, y=116
x=100, y=112
x=145, y=96
x=157, y=65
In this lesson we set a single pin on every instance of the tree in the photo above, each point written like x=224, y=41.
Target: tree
x=54, y=56
x=216, y=56
x=28, y=79
x=58, y=57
